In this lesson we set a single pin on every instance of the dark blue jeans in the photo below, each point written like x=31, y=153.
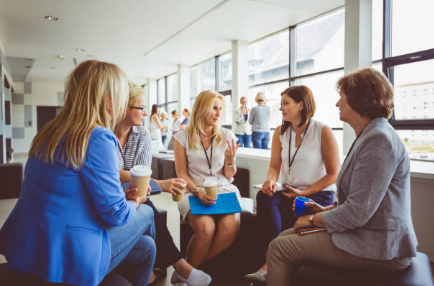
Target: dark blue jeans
x=260, y=139
x=163, y=138
x=275, y=213
x=133, y=248
x=244, y=140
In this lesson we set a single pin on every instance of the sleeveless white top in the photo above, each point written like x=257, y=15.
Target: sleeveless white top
x=308, y=166
x=155, y=131
x=198, y=169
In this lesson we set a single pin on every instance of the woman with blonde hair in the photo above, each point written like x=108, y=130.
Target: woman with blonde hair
x=260, y=120
x=210, y=150
x=165, y=124
x=72, y=212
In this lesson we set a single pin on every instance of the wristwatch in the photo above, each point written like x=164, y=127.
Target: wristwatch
x=311, y=219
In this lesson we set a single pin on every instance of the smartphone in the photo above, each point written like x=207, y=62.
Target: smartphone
x=309, y=229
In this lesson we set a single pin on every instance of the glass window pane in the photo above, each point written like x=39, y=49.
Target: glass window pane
x=172, y=87
x=272, y=92
x=324, y=91
x=377, y=29
x=170, y=107
x=161, y=91
x=320, y=44
x=226, y=117
x=225, y=68
x=192, y=100
x=412, y=23
x=269, y=59
x=418, y=143
x=153, y=98
x=202, y=77
x=414, y=90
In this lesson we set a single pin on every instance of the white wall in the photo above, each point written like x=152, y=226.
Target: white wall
x=43, y=94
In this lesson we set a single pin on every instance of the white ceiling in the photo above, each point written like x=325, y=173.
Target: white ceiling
x=169, y=32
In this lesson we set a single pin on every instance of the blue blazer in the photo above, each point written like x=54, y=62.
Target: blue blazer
x=57, y=228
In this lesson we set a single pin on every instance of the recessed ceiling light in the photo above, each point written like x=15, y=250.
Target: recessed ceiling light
x=51, y=18
x=59, y=57
x=80, y=50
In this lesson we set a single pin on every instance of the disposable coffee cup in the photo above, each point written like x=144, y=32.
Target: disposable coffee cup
x=178, y=197
x=300, y=208
x=210, y=185
x=140, y=176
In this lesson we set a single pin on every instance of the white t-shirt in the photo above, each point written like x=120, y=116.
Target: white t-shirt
x=175, y=125
x=308, y=166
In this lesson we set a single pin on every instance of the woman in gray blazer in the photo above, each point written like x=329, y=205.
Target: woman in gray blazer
x=370, y=227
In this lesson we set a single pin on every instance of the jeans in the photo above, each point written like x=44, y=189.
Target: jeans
x=244, y=140
x=167, y=253
x=133, y=248
x=260, y=139
x=163, y=138
x=275, y=213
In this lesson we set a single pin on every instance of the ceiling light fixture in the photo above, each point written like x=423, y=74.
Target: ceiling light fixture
x=59, y=57
x=80, y=50
x=51, y=18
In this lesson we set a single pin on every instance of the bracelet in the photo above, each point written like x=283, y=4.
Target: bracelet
x=230, y=165
x=195, y=191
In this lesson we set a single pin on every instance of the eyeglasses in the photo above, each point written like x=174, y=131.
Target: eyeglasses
x=143, y=109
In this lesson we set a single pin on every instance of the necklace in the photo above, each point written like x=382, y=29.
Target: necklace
x=209, y=160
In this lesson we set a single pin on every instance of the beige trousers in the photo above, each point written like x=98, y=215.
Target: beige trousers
x=289, y=250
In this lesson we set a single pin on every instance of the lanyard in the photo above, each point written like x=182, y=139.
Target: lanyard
x=296, y=151
x=208, y=159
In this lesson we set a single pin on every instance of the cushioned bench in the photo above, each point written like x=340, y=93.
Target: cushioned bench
x=417, y=274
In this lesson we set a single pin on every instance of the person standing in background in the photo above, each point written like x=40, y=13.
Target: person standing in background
x=243, y=130
x=176, y=122
x=260, y=121
x=186, y=114
x=165, y=125
x=155, y=124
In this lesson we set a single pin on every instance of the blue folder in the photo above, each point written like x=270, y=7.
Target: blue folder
x=227, y=203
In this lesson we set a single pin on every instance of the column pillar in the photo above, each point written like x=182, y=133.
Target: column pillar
x=240, y=73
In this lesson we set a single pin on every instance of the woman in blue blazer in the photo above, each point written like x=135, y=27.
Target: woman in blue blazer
x=73, y=223
x=370, y=227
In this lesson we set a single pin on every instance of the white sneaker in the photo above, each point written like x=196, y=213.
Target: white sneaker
x=257, y=276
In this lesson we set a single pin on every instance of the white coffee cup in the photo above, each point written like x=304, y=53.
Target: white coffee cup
x=140, y=176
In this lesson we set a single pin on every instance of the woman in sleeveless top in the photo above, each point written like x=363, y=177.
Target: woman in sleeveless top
x=305, y=159
x=200, y=149
x=155, y=124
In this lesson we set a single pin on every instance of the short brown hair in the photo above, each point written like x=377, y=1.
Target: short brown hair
x=302, y=93
x=368, y=92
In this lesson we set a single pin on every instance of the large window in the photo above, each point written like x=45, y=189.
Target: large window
x=172, y=88
x=225, y=72
x=161, y=91
x=202, y=77
x=408, y=62
x=320, y=44
x=412, y=23
x=269, y=59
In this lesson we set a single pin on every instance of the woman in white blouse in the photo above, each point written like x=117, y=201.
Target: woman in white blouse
x=305, y=158
x=176, y=122
x=155, y=124
x=209, y=149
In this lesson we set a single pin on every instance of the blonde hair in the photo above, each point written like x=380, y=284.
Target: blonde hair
x=165, y=114
x=260, y=96
x=135, y=91
x=202, y=106
x=88, y=90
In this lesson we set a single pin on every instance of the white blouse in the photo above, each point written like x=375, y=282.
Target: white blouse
x=308, y=166
x=197, y=165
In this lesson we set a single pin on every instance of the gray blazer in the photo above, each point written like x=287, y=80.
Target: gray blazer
x=373, y=218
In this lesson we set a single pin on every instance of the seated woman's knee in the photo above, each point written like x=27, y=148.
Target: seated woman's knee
x=146, y=245
x=205, y=229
